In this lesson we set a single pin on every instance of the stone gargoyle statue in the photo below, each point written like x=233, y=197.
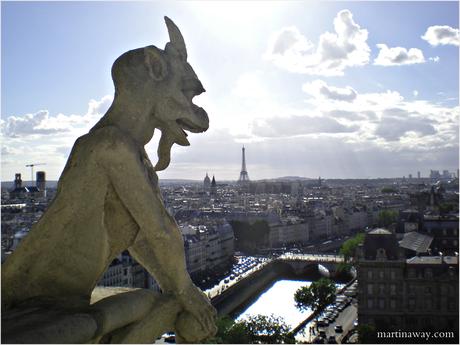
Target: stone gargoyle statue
x=108, y=200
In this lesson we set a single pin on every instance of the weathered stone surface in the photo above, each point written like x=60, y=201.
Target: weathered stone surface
x=47, y=326
x=108, y=200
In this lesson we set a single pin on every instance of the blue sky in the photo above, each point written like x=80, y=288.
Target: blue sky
x=331, y=89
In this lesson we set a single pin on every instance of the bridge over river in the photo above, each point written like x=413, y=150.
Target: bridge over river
x=231, y=296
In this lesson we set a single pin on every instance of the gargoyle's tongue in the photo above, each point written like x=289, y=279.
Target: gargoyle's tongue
x=164, y=151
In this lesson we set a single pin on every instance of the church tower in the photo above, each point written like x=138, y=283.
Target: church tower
x=207, y=182
x=213, y=186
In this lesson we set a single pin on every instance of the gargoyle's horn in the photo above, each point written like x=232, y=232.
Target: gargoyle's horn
x=175, y=37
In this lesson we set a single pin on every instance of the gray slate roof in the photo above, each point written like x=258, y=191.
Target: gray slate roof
x=415, y=241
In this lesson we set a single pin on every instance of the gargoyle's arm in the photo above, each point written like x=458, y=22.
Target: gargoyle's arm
x=158, y=246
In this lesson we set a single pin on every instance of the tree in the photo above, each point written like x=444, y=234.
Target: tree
x=268, y=330
x=389, y=190
x=250, y=237
x=259, y=329
x=343, y=271
x=447, y=207
x=317, y=296
x=367, y=334
x=387, y=217
x=229, y=332
x=349, y=246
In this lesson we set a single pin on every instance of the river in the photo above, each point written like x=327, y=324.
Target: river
x=279, y=301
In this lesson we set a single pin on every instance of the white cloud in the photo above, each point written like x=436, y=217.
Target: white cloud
x=387, y=120
x=442, y=35
x=319, y=88
x=41, y=137
x=290, y=41
x=434, y=58
x=415, y=93
x=42, y=124
x=28, y=124
x=397, y=56
x=299, y=125
x=346, y=47
x=396, y=123
x=98, y=108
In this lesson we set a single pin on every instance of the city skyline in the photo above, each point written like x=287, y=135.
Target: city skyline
x=336, y=89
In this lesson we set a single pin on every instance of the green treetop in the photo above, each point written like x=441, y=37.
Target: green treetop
x=317, y=296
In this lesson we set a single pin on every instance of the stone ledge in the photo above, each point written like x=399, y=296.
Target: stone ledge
x=113, y=315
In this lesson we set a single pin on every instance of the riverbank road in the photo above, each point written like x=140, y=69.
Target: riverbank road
x=238, y=273
x=312, y=257
x=345, y=319
x=250, y=265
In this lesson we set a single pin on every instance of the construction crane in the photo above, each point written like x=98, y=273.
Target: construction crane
x=32, y=169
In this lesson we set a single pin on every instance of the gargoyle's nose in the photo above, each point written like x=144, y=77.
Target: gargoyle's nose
x=200, y=88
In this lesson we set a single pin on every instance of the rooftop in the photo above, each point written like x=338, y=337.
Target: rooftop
x=433, y=260
x=415, y=241
x=379, y=231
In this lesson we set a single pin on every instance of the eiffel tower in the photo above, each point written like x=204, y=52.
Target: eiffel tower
x=244, y=178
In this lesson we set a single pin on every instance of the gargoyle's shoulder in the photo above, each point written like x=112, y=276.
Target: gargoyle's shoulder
x=107, y=143
x=109, y=137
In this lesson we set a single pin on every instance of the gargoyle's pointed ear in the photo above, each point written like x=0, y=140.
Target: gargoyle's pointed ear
x=175, y=37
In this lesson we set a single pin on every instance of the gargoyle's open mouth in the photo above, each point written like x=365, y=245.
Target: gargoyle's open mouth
x=198, y=120
x=191, y=117
x=200, y=125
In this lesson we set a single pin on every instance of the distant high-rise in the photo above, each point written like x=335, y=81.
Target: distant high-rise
x=17, y=181
x=41, y=180
x=418, y=174
x=244, y=177
x=434, y=174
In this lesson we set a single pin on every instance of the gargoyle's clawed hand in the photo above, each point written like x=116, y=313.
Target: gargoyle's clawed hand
x=197, y=322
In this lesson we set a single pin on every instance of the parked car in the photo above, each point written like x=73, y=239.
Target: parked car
x=329, y=317
x=170, y=339
x=340, y=298
x=318, y=340
x=338, y=329
x=331, y=340
x=323, y=322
